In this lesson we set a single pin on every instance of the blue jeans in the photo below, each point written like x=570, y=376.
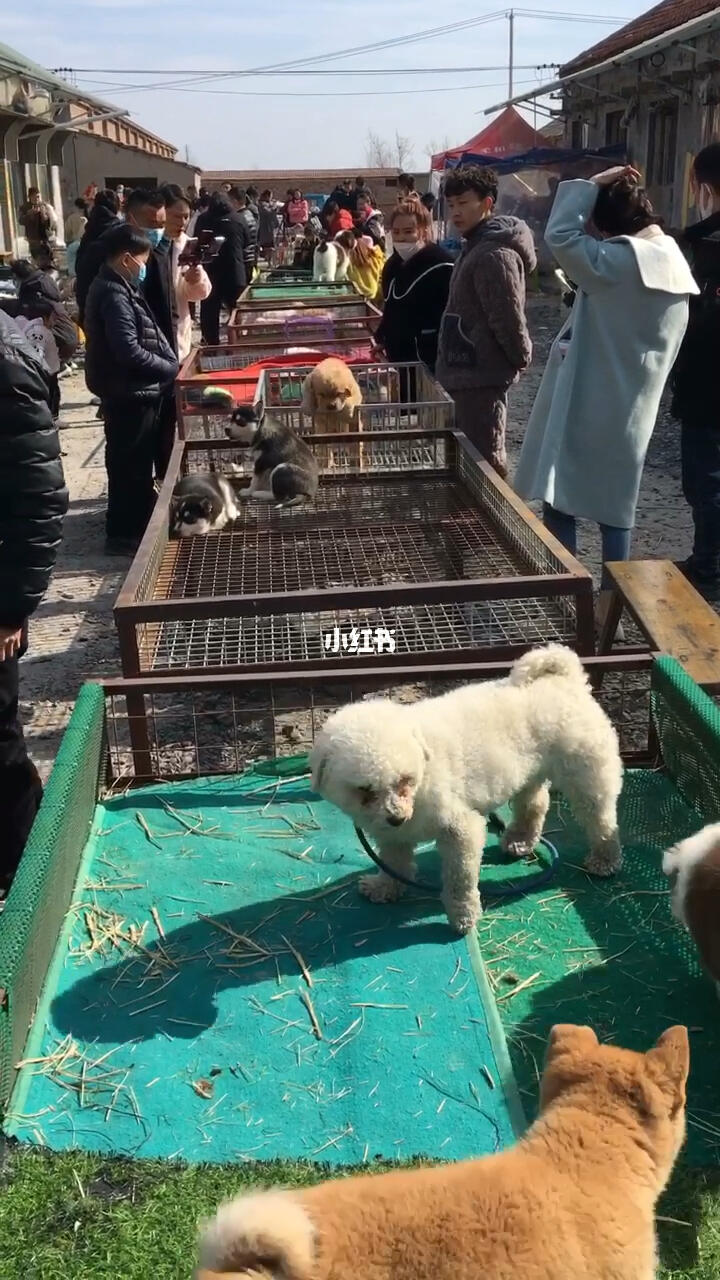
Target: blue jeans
x=615, y=541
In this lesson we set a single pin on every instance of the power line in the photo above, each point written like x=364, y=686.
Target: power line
x=430, y=33
x=359, y=93
x=352, y=71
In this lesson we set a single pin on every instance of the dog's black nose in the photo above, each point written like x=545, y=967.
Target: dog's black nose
x=395, y=821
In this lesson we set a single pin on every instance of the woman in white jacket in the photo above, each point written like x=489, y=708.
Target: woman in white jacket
x=192, y=283
x=594, y=414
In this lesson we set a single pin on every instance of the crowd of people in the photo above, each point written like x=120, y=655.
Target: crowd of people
x=646, y=312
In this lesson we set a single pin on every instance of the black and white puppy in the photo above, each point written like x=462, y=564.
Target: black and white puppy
x=286, y=469
x=201, y=504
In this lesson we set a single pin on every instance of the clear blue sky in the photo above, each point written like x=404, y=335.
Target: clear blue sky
x=253, y=126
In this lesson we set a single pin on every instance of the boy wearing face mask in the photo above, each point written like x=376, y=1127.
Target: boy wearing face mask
x=415, y=284
x=130, y=365
x=695, y=381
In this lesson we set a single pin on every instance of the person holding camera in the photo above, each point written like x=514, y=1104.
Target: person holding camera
x=191, y=280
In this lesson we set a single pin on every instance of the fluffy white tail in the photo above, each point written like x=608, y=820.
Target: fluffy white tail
x=553, y=660
x=270, y=1234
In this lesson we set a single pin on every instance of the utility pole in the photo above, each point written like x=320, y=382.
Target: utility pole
x=511, y=49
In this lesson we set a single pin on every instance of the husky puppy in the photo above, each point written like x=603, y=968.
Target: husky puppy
x=201, y=504
x=286, y=470
x=330, y=262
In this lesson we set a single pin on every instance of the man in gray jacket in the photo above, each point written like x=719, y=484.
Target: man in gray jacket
x=484, y=340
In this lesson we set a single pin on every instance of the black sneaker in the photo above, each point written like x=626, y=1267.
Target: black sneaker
x=121, y=546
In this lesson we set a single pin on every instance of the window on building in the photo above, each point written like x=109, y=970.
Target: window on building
x=579, y=135
x=615, y=131
x=662, y=143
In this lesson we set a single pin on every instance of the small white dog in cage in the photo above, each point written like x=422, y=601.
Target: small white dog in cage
x=433, y=770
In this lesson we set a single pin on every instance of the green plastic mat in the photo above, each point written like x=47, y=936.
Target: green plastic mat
x=178, y=1019
x=610, y=954
x=298, y=292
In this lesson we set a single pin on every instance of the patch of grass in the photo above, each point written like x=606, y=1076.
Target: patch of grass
x=79, y=1217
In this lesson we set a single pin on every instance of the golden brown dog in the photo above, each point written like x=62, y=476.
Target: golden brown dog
x=574, y=1200
x=331, y=397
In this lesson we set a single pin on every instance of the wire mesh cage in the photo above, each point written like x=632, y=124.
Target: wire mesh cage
x=394, y=395
x=235, y=365
x=301, y=320
x=418, y=554
x=182, y=727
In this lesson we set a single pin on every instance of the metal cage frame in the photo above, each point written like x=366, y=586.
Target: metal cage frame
x=404, y=537
x=165, y=729
x=255, y=323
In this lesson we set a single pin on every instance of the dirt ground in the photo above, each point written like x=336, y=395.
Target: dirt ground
x=72, y=636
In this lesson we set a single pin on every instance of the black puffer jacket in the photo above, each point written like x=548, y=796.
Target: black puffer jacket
x=127, y=355
x=33, y=497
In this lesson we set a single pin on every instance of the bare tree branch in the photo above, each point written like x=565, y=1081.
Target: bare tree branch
x=378, y=153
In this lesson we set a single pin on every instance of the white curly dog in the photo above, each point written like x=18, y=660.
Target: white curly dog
x=432, y=770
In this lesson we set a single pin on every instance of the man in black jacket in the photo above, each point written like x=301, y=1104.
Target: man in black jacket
x=103, y=216
x=241, y=204
x=130, y=364
x=227, y=272
x=696, y=386
x=33, y=501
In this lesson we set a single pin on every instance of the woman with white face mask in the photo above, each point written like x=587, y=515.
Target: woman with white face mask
x=415, y=286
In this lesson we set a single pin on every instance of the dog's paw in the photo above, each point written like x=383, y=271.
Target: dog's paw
x=463, y=916
x=604, y=861
x=518, y=843
x=380, y=888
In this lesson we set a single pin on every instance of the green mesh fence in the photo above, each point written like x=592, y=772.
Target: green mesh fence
x=687, y=723
x=41, y=891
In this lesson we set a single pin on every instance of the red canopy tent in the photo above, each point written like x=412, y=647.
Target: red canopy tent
x=508, y=134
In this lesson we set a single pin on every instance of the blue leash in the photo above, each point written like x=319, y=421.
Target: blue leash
x=502, y=890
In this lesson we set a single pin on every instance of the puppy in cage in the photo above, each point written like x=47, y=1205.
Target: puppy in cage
x=331, y=397
x=330, y=262
x=433, y=770
x=202, y=504
x=285, y=468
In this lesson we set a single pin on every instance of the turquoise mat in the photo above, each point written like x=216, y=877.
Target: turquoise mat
x=178, y=1019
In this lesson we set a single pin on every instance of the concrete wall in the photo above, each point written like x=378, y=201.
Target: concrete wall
x=87, y=159
x=642, y=91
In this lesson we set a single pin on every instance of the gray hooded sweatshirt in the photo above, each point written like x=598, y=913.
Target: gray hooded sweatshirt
x=484, y=338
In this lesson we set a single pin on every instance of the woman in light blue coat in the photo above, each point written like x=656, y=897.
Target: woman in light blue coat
x=595, y=411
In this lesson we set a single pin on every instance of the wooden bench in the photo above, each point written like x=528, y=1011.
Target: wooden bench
x=669, y=612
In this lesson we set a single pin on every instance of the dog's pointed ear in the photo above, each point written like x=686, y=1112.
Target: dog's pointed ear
x=565, y=1038
x=259, y=409
x=669, y=1063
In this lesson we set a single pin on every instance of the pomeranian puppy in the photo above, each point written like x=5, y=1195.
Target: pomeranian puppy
x=331, y=397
